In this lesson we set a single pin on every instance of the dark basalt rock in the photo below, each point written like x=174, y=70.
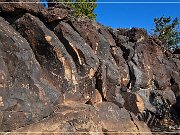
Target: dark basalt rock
x=176, y=106
x=62, y=74
x=20, y=8
x=176, y=51
x=25, y=96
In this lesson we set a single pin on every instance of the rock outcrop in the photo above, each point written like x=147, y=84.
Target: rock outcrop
x=59, y=74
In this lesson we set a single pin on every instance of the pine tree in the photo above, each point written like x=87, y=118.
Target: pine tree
x=83, y=8
x=167, y=31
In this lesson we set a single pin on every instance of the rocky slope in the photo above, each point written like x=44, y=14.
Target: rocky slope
x=60, y=74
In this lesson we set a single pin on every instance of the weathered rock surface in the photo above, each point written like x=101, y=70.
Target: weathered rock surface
x=59, y=74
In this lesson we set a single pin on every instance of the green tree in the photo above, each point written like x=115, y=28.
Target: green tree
x=167, y=31
x=83, y=8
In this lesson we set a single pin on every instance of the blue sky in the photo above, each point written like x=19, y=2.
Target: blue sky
x=134, y=15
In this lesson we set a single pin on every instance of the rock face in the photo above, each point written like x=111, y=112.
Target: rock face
x=62, y=75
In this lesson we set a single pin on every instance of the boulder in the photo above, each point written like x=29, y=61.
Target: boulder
x=104, y=118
